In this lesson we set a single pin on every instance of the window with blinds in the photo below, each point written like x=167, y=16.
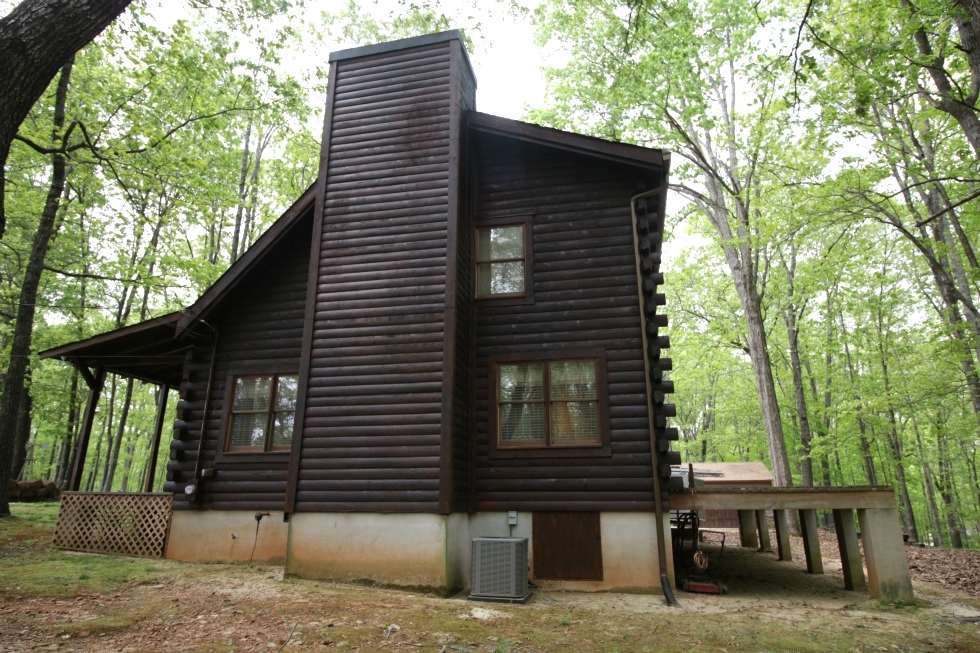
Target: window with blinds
x=262, y=413
x=549, y=403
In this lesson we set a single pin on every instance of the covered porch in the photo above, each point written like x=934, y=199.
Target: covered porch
x=127, y=523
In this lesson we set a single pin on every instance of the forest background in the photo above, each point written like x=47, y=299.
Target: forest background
x=822, y=274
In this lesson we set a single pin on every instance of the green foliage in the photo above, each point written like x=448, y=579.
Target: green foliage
x=815, y=154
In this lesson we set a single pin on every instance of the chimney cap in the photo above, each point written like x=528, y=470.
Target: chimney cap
x=400, y=44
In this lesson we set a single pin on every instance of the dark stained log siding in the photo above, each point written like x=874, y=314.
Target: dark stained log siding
x=584, y=297
x=374, y=399
x=262, y=328
x=462, y=382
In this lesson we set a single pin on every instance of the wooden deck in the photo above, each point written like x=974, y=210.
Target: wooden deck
x=783, y=498
x=881, y=532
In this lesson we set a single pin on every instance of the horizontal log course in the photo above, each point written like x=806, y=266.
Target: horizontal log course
x=562, y=505
x=265, y=503
x=775, y=498
x=393, y=474
x=312, y=505
x=321, y=459
x=364, y=125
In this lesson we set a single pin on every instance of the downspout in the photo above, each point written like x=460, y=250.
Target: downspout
x=651, y=417
x=191, y=489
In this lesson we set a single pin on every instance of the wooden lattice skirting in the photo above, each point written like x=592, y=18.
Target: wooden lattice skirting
x=134, y=524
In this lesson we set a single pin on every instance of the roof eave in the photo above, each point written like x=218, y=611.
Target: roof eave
x=589, y=145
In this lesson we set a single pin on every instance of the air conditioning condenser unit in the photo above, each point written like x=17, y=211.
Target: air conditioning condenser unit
x=499, y=570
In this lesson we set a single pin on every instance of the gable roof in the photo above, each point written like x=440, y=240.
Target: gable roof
x=253, y=256
x=634, y=155
x=153, y=350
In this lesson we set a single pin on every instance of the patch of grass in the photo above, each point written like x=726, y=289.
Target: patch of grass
x=48, y=572
x=28, y=524
x=61, y=574
x=98, y=625
x=213, y=648
x=503, y=646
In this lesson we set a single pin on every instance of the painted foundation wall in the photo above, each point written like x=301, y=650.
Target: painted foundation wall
x=227, y=536
x=410, y=550
x=629, y=550
x=399, y=549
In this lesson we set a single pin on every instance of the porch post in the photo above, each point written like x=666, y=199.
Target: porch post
x=763, y=523
x=782, y=535
x=811, y=541
x=151, y=464
x=746, y=528
x=884, y=550
x=95, y=384
x=850, y=554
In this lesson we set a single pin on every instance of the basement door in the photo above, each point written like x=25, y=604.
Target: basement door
x=567, y=546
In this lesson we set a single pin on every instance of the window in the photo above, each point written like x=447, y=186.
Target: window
x=262, y=413
x=501, y=261
x=548, y=403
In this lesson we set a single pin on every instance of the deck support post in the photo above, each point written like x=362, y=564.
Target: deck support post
x=95, y=384
x=811, y=541
x=762, y=522
x=850, y=554
x=746, y=528
x=782, y=535
x=884, y=550
x=151, y=464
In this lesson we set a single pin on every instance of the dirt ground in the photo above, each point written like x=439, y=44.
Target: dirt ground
x=770, y=606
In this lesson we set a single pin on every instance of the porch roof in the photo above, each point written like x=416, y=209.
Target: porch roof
x=148, y=351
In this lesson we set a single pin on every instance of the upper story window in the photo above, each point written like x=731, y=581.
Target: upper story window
x=262, y=414
x=502, y=260
x=548, y=403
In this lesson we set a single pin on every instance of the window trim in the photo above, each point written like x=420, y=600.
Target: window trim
x=253, y=454
x=521, y=220
x=601, y=448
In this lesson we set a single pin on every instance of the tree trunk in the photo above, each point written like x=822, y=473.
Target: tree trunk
x=20, y=348
x=869, y=462
x=242, y=191
x=799, y=394
x=37, y=39
x=928, y=482
x=23, y=434
x=894, y=438
x=945, y=486
x=65, y=457
x=127, y=466
x=113, y=458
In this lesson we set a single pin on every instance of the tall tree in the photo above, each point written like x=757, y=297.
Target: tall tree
x=37, y=38
x=20, y=350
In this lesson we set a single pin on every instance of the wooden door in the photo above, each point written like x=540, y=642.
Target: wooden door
x=567, y=546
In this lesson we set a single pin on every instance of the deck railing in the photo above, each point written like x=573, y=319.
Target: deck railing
x=126, y=523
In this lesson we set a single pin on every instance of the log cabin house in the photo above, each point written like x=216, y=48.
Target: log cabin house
x=453, y=334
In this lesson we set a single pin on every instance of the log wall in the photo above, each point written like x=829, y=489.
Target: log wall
x=585, y=297
x=260, y=331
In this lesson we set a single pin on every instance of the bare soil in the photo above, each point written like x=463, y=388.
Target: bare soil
x=770, y=606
